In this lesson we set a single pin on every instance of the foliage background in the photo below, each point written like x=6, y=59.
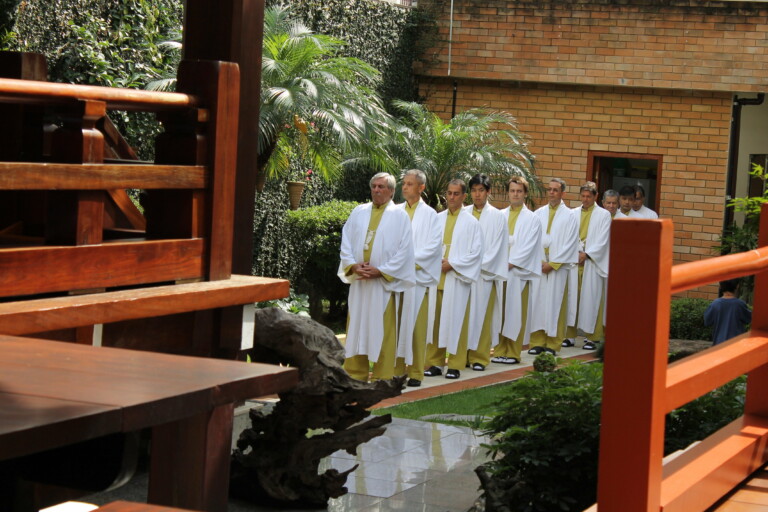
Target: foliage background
x=686, y=320
x=389, y=37
x=102, y=42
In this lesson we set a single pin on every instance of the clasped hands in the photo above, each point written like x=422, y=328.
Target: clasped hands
x=365, y=271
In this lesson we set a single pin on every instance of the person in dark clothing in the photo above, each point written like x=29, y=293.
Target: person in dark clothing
x=727, y=315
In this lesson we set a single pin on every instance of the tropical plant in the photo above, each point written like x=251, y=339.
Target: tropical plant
x=741, y=238
x=317, y=101
x=474, y=141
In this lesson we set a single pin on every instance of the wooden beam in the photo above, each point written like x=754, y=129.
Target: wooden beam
x=704, y=473
x=47, y=176
x=49, y=93
x=49, y=314
x=28, y=271
x=232, y=30
x=696, y=375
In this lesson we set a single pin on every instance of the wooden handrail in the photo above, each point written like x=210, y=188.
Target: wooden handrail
x=697, y=273
x=639, y=388
x=692, y=377
x=116, y=98
x=50, y=176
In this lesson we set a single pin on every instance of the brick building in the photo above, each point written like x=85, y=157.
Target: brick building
x=620, y=92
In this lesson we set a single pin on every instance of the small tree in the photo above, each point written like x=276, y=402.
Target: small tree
x=475, y=141
x=317, y=101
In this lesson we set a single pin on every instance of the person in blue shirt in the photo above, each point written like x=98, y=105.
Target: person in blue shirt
x=728, y=315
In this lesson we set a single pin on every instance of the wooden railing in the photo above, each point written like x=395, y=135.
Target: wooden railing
x=640, y=388
x=64, y=231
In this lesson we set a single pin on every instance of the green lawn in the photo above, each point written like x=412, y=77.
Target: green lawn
x=472, y=402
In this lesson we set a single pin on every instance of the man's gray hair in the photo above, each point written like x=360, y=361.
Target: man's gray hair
x=610, y=193
x=390, y=179
x=561, y=182
x=416, y=173
x=459, y=182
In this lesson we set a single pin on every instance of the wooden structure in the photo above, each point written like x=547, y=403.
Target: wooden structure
x=640, y=389
x=82, y=264
x=67, y=226
x=79, y=393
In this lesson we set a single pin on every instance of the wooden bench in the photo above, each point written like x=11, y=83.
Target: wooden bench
x=54, y=394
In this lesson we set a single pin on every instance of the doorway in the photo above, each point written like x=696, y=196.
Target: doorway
x=616, y=170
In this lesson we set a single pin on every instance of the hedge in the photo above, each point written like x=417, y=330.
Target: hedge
x=686, y=320
x=316, y=239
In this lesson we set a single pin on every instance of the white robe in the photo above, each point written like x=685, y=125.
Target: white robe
x=644, y=213
x=619, y=215
x=428, y=251
x=392, y=254
x=525, y=253
x=594, y=279
x=466, y=258
x=493, y=270
x=547, y=292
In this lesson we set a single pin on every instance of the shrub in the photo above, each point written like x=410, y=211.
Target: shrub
x=546, y=437
x=545, y=442
x=315, y=235
x=709, y=413
x=545, y=362
x=686, y=320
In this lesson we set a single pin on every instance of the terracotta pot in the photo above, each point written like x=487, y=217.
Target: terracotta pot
x=261, y=179
x=295, y=189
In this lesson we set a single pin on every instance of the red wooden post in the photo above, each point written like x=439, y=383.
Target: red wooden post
x=632, y=425
x=190, y=461
x=757, y=380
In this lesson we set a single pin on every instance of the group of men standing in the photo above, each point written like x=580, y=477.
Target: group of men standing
x=436, y=292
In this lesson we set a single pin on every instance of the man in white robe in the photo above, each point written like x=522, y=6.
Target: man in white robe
x=484, y=332
x=554, y=302
x=611, y=203
x=418, y=310
x=377, y=260
x=524, y=265
x=626, y=200
x=456, y=307
x=639, y=208
x=591, y=275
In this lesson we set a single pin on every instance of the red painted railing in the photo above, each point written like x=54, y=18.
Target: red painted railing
x=640, y=388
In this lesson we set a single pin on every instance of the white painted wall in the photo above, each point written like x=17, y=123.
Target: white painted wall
x=754, y=140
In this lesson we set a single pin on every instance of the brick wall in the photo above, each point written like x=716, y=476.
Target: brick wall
x=680, y=44
x=689, y=129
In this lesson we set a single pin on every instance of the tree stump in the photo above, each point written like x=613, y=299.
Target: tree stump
x=278, y=457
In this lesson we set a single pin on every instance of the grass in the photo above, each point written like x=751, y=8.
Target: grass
x=471, y=402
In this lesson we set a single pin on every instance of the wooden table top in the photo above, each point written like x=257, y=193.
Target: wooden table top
x=54, y=393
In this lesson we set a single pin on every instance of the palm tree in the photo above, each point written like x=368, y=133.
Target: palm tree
x=475, y=141
x=316, y=106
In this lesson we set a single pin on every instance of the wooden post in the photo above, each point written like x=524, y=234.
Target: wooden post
x=77, y=218
x=634, y=377
x=757, y=380
x=232, y=30
x=190, y=459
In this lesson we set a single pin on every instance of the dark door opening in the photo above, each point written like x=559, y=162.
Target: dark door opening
x=615, y=170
